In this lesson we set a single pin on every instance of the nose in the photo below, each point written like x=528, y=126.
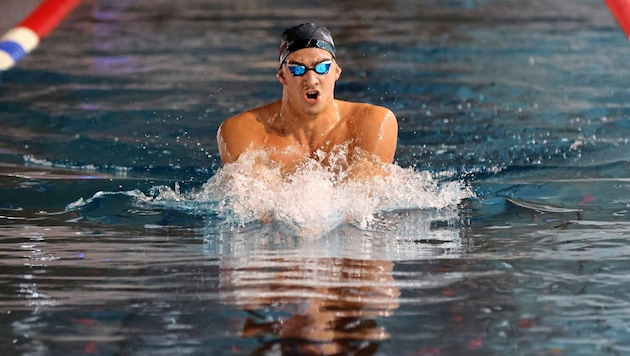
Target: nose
x=310, y=77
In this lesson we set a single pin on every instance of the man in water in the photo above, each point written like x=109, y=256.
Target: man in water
x=308, y=122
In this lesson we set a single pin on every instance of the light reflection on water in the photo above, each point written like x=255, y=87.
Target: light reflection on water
x=525, y=104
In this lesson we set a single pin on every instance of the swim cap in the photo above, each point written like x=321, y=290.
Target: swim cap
x=306, y=35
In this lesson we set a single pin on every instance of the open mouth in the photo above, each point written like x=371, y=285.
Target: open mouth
x=312, y=95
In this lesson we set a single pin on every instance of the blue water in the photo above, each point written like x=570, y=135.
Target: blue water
x=504, y=230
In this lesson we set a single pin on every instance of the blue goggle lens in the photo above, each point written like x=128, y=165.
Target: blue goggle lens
x=298, y=70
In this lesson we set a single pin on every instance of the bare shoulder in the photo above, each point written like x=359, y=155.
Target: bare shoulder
x=364, y=116
x=248, y=121
x=241, y=132
x=238, y=123
x=374, y=128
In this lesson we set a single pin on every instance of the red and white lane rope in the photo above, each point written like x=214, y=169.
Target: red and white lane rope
x=23, y=38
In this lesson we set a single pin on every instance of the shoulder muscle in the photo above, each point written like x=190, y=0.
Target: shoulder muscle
x=236, y=135
x=378, y=131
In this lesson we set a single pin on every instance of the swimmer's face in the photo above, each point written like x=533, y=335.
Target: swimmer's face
x=310, y=92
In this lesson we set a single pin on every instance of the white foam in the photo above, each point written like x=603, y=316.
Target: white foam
x=315, y=199
x=118, y=171
x=311, y=202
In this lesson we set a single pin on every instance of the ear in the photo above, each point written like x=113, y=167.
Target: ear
x=337, y=71
x=281, y=77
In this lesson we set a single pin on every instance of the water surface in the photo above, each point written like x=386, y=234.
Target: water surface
x=114, y=240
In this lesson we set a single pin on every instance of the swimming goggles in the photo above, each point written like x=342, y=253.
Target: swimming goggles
x=298, y=70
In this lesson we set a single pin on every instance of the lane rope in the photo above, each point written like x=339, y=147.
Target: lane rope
x=19, y=41
x=621, y=11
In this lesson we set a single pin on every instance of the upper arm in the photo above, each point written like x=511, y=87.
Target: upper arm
x=235, y=136
x=378, y=132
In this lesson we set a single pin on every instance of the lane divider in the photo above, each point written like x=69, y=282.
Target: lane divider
x=23, y=38
x=621, y=11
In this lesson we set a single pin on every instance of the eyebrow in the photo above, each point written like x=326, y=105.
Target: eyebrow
x=314, y=64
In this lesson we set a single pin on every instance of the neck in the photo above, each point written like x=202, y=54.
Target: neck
x=291, y=116
x=308, y=128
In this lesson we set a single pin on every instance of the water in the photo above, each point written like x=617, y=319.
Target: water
x=119, y=234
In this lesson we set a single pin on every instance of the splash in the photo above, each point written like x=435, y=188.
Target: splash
x=309, y=203
x=315, y=199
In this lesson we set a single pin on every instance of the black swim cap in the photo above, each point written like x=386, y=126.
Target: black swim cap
x=306, y=35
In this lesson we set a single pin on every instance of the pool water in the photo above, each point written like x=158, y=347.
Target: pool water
x=502, y=229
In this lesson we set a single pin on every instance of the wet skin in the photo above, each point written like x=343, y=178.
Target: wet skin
x=309, y=121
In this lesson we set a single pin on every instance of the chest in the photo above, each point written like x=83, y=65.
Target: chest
x=294, y=147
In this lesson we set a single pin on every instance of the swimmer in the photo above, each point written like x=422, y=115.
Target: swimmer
x=308, y=122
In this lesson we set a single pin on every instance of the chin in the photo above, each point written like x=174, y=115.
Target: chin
x=313, y=110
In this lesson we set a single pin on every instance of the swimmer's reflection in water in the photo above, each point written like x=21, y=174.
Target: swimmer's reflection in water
x=312, y=306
